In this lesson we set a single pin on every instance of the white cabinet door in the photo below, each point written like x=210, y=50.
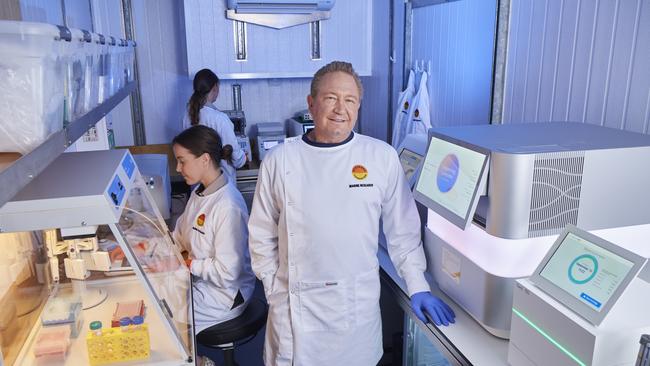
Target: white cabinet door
x=276, y=53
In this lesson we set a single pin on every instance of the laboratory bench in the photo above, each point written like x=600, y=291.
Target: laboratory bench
x=118, y=289
x=463, y=343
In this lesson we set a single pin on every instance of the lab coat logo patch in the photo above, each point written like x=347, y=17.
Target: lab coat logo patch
x=200, y=220
x=360, y=172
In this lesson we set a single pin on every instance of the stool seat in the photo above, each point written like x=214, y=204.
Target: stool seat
x=244, y=326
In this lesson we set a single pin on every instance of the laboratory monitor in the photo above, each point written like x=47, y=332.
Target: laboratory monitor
x=451, y=177
x=410, y=161
x=585, y=273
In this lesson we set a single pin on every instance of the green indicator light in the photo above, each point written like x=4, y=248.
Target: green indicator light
x=548, y=337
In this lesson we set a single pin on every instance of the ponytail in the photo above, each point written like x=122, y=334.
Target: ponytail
x=197, y=101
x=204, y=81
x=226, y=153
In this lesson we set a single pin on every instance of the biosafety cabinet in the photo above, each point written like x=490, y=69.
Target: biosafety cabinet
x=498, y=195
x=89, y=271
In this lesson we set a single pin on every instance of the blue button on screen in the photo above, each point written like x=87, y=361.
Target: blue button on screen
x=590, y=300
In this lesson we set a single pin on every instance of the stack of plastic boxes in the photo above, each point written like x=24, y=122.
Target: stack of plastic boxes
x=112, y=67
x=75, y=82
x=102, y=65
x=32, y=84
x=51, y=74
x=91, y=89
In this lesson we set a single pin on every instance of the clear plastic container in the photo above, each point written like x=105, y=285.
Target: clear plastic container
x=103, y=89
x=91, y=89
x=32, y=83
x=75, y=59
x=121, y=64
x=112, y=66
x=130, y=61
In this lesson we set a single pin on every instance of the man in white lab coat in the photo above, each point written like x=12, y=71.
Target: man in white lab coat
x=313, y=234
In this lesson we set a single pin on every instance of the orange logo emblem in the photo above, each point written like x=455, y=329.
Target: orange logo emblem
x=200, y=220
x=360, y=172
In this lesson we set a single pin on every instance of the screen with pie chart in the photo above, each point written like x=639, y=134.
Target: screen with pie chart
x=586, y=271
x=449, y=181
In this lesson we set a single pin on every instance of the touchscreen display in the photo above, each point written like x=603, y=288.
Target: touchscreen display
x=410, y=162
x=586, y=271
x=450, y=176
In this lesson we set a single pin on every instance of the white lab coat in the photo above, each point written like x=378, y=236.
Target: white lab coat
x=403, y=115
x=419, y=118
x=219, y=121
x=313, y=242
x=213, y=230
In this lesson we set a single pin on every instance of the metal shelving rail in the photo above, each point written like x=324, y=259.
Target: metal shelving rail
x=27, y=167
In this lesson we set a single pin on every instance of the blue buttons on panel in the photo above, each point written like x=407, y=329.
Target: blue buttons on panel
x=116, y=191
x=590, y=300
x=129, y=165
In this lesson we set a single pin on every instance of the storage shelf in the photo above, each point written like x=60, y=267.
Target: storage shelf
x=19, y=173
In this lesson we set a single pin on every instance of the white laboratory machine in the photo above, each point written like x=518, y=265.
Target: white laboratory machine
x=586, y=303
x=155, y=173
x=297, y=126
x=238, y=119
x=88, y=199
x=539, y=177
x=269, y=135
x=411, y=154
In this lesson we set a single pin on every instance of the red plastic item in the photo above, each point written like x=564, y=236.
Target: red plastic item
x=127, y=309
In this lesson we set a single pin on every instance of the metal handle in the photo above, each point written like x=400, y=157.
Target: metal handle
x=236, y=97
x=240, y=40
x=315, y=40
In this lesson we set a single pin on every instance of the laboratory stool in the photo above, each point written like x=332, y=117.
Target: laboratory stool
x=229, y=334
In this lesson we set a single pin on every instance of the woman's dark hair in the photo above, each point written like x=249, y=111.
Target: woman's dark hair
x=204, y=81
x=202, y=139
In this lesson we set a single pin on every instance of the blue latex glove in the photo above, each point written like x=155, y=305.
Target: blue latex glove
x=439, y=312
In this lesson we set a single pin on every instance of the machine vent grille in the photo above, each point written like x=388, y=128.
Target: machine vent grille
x=557, y=179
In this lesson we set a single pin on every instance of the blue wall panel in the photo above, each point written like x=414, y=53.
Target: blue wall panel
x=458, y=40
x=44, y=11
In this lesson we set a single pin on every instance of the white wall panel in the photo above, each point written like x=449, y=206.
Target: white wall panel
x=458, y=39
x=374, y=118
x=77, y=13
x=582, y=60
x=107, y=20
x=49, y=11
x=271, y=100
x=44, y=11
x=164, y=85
x=282, y=53
x=107, y=17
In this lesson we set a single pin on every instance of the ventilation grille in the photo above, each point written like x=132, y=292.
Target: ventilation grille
x=557, y=179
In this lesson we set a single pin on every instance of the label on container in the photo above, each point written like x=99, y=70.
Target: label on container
x=451, y=265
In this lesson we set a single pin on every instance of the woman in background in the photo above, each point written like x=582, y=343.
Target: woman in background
x=201, y=111
x=212, y=230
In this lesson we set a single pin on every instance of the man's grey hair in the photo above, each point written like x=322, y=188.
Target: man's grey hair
x=335, y=66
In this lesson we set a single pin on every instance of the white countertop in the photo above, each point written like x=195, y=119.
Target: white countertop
x=164, y=350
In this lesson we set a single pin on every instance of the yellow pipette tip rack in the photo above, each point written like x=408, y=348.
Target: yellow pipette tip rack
x=111, y=345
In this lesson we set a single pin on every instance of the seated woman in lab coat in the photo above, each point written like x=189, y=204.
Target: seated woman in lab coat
x=212, y=230
x=201, y=111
